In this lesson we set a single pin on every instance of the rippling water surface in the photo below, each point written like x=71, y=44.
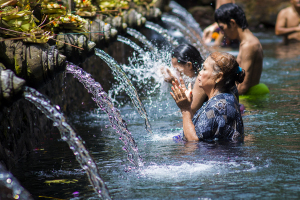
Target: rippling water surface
x=265, y=166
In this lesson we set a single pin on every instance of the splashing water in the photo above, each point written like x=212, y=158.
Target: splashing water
x=130, y=43
x=68, y=135
x=105, y=104
x=162, y=32
x=188, y=33
x=145, y=71
x=141, y=38
x=7, y=180
x=185, y=15
x=125, y=81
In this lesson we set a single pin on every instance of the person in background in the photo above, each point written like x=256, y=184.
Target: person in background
x=187, y=61
x=232, y=22
x=212, y=32
x=219, y=118
x=288, y=22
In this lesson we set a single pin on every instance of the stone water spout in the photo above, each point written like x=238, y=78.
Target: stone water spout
x=100, y=32
x=151, y=13
x=116, y=22
x=10, y=85
x=76, y=47
x=133, y=18
x=36, y=63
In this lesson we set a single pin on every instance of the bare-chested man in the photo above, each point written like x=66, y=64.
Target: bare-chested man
x=208, y=31
x=232, y=21
x=288, y=22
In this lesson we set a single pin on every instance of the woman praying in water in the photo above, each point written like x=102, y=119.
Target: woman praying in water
x=219, y=118
x=187, y=61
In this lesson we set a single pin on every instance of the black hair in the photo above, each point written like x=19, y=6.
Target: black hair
x=188, y=53
x=229, y=11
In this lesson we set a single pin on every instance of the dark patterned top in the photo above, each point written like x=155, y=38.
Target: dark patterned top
x=219, y=119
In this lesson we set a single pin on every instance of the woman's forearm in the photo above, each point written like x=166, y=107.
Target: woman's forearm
x=188, y=126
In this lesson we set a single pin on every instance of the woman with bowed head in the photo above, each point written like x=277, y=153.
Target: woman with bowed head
x=187, y=61
x=219, y=118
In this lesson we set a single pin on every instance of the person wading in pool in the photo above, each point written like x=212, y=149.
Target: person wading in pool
x=208, y=31
x=219, y=118
x=288, y=23
x=232, y=22
x=187, y=61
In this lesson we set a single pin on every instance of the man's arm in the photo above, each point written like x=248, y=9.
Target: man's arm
x=281, y=23
x=248, y=55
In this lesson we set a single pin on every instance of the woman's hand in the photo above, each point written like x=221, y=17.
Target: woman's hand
x=181, y=95
x=168, y=76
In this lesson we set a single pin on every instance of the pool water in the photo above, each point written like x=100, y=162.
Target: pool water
x=265, y=166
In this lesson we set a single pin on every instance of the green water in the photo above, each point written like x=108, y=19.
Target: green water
x=265, y=166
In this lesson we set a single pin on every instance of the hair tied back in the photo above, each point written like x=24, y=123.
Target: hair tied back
x=239, y=70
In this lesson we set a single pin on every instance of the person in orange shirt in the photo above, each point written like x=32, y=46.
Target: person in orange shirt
x=209, y=32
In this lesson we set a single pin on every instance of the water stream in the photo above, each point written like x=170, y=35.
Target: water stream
x=130, y=43
x=186, y=16
x=163, y=32
x=120, y=75
x=265, y=166
x=106, y=105
x=189, y=35
x=141, y=38
x=69, y=136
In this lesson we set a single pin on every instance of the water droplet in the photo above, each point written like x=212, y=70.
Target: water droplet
x=8, y=180
x=64, y=138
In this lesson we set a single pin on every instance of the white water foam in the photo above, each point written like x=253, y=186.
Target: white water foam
x=180, y=172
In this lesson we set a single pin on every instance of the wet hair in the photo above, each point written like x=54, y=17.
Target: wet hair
x=229, y=11
x=188, y=53
x=227, y=64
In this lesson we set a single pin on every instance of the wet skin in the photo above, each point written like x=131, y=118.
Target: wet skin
x=208, y=31
x=250, y=57
x=288, y=22
x=207, y=80
x=199, y=95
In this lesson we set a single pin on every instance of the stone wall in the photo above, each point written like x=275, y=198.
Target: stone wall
x=262, y=12
x=258, y=12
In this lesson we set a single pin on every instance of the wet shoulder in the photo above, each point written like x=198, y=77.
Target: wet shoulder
x=252, y=43
x=252, y=48
x=285, y=12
